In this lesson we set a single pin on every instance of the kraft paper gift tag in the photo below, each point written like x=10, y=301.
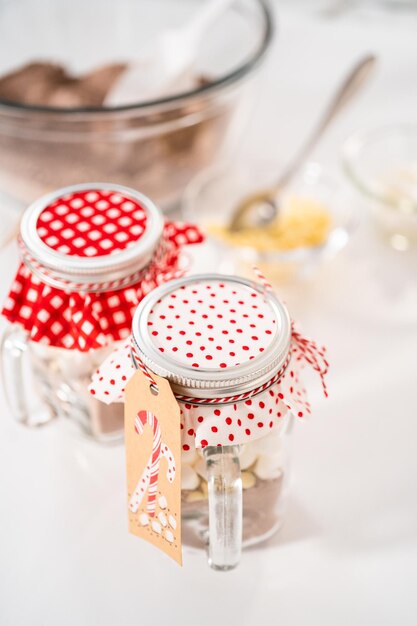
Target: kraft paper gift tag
x=153, y=463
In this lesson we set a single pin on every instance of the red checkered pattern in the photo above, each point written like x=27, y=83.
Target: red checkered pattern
x=81, y=321
x=91, y=223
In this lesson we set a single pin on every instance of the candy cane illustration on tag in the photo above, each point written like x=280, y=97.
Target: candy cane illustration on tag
x=148, y=482
x=153, y=462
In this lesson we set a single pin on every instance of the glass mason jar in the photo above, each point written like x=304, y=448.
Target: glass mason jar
x=89, y=254
x=60, y=379
x=224, y=344
x=264, y=474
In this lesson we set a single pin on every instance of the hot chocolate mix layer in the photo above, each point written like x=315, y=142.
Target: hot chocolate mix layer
x=260, y=512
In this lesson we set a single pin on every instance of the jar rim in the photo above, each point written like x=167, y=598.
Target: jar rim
x=213, y=382
x=84, y=269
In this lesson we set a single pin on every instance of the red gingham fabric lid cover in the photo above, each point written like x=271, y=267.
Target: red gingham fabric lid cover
x=216, y=328
x=90, y=253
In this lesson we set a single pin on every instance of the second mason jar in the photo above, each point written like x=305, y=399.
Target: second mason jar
x=89, y=254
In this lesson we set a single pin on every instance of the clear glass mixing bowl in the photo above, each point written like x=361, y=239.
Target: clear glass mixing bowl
x=155, y=146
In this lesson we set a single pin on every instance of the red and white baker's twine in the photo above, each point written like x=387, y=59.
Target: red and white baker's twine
x=241, y=396
x=139, y=364
x=262, y=279
x=148, y=481
x=302, y=349
x=307, y=350
x=314, y=355
x=54, y=280
x=83, y=312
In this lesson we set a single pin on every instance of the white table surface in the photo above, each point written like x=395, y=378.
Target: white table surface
x=347, y=555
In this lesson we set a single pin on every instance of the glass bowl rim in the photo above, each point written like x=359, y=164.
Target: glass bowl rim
x=217, y=85
x=357, y=142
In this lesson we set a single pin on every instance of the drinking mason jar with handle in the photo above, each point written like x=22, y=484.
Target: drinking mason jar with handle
x=232, y=357
x=89, y=254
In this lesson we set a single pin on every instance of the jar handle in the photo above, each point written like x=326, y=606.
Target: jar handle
x=225, y=506
x=14, y=348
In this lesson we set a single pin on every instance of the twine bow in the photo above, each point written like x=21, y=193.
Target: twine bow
x=307, y=350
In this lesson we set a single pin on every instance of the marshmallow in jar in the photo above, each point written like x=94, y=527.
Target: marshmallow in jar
x=232, y=357
x=89, y=254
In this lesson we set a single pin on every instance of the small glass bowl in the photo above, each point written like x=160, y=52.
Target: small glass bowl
x=382, y=165
x=212, y=196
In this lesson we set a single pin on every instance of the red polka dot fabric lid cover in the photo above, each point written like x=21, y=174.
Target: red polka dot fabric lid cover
x=217, y=327
x=86, y=226
x=212, y=325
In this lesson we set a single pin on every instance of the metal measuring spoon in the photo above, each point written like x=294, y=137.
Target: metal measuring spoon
x=262, y=207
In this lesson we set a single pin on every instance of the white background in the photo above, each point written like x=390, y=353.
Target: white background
x=347, y=555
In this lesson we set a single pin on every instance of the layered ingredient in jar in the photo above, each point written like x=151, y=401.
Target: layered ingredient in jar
x=262, y=459
x=62, y=378
x=263, y=465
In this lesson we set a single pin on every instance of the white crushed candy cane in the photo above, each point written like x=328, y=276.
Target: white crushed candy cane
x=169, y=536
x=162, y=519
x=163, y=502
x=156, y=526
x=172, y=521
x=144, y=519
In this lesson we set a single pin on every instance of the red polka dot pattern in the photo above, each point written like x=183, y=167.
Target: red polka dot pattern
x=92, y=223
x=212, y=325
x=203, y=425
